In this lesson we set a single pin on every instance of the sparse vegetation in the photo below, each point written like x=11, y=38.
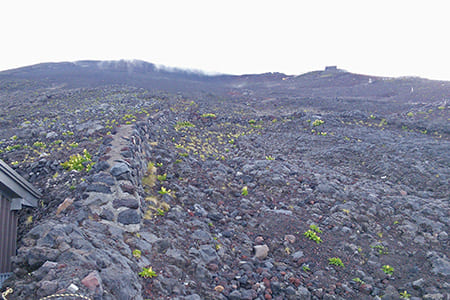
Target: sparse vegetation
x=244, y=191
x=388, y=269
x=312, y=236
x=183, y=124
x=208, y=115
x=148, y=273
x=335, y=261
x=137, y=253
x=79, y=162
x=315, y=228
x=405, y=295
x=318, y=122
x=164, y=191
x=162, y=177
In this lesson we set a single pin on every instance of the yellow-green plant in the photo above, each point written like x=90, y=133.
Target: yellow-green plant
x=164, y=191
x=147, y=273
x=79, y=162
x=39, y=145
x=244, y=191
x=358, y=280
x=405, y=295
x=208, y=115
x=318, y=122
x=336, y=261
x=137, y=253
x=387, y=269
x=162, y=177
x=313, y=236
x=315, y=228
x=184, y=124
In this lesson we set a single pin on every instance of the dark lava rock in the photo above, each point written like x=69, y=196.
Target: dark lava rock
x=129, y=216
x=103, y=178
x=126, y=202
x=107, y=214
x=119, y=169
x=98, y=188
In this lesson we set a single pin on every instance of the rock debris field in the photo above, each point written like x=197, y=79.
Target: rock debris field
x=321, y=186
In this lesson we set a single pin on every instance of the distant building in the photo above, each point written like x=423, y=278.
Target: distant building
x=15, y=192
x=331, y=69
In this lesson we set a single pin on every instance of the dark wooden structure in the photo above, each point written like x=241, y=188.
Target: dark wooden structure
x=15, y=192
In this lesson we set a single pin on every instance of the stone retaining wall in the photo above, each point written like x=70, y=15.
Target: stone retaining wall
x=85, y=247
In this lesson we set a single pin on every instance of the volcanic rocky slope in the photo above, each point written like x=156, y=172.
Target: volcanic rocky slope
x=328, y=185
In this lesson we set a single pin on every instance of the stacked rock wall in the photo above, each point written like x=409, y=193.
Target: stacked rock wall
x=84, y=247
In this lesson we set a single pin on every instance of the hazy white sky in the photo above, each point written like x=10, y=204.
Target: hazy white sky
x=383, y=37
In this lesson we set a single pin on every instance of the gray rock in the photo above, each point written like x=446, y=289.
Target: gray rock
x=162, y=245
x=192, y=297
x=440, y=263
x=51, y=135
x=101, y=166
x=207, y=254
x=435, y=296
x=103, y=178
x=391, y=293
x=107, y=214
x=37, y=256
x=297, y=254
x=275, y=286
x=175, y=256
x=47, y=287
x=98, y=188
x=121, y=282
x=303, y=293
x=129, y=216
x=126, y=202
x=248, y=294
x=235, y=295
x=201, y=235
x=119, y=169
x=418, y=284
